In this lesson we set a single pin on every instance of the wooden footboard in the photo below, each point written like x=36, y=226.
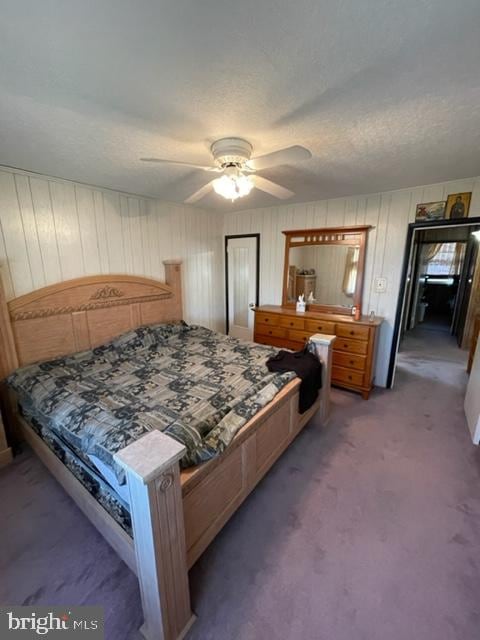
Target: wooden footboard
x=176, y=515
x=213, y=492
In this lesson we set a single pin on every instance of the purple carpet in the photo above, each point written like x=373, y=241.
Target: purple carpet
x=368, y=529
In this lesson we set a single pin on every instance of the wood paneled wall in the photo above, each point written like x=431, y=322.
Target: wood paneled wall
x=389, y=212
x=53, y=230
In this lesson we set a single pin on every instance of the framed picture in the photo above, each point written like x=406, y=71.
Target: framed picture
x=430, y=211
x=458, y=205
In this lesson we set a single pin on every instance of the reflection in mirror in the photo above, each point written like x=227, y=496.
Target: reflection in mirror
x=326, y=274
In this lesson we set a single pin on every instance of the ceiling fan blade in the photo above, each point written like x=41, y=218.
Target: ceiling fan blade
x=201, y=193
x=272, y=188
x=183, y=164
x=289, y=155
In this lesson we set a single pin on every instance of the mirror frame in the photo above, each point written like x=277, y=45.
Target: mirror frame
x=356, y=235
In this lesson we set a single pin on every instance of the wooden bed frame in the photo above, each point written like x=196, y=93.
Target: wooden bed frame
x=175, y=514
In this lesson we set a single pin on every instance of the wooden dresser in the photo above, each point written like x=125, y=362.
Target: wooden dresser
x=353, y=351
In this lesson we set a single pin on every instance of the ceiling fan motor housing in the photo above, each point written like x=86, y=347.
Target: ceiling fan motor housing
x=231, y=151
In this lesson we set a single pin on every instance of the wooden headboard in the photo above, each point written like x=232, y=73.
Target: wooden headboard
x=80, y=314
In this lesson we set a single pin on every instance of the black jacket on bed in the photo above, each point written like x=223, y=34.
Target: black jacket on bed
x=307, y=367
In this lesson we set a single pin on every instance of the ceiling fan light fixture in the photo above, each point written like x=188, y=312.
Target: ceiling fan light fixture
x=232, y=157
x=244, y=185
x=232, y=187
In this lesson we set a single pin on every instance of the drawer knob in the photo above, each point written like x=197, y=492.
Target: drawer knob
x=352, y=333
x=349, y=377
x=345, y=346
x=291, y=324
x=266, y=319
x=269, y=333
x=352, y=362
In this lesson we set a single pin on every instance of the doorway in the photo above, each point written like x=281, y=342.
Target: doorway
x=435, y=308
x=242, y=278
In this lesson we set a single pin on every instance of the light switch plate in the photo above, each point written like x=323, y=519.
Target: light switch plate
x=380, y=285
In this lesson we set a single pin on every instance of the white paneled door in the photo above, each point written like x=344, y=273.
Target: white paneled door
x=242, y=285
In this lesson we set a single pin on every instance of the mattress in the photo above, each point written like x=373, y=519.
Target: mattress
x=197, y=386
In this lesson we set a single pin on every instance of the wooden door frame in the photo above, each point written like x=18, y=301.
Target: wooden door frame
x=412, y=227
x=257, y=283
x=470, y=259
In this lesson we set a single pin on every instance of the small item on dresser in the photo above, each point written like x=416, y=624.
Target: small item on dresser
x=372, y=316
x=308, y=369
x=310, y=299
x=301, y=305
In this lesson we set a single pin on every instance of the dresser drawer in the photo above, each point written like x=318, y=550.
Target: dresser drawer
x=352, y=331
x=352, y=346
x=268, y=340
x=339, y=374
x=266, y=330
x=291, y=322
x=280, y=343
x=266, y=318
x=298, y=336
x=320, y=326
x=349, y=360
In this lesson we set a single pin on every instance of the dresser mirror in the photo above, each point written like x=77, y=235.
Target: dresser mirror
x=327, y=267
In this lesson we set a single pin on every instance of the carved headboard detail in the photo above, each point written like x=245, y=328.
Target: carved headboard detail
x=102, y=298
x=80, y=314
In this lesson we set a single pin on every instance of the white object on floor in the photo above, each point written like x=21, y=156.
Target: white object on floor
x=472, y=398
x=421, y=310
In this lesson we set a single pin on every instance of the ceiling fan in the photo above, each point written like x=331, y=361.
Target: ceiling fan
x=232, y=158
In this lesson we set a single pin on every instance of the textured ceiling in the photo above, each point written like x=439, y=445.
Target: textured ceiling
x=385, y=93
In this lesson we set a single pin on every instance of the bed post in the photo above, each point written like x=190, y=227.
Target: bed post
x=324, y=349
x=173, y=277
x=153, y=477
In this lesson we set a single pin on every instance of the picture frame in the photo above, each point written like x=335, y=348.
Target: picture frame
x=458, y=205
x=430, y=211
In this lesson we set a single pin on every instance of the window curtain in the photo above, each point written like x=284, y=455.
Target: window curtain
x=445, y=259
x=460, y=248
x=429, y=251
x=350, y=275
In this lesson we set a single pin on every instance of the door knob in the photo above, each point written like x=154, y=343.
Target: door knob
x=251, y=305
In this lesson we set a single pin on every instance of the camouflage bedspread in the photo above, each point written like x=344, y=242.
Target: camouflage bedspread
x=198, y=386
